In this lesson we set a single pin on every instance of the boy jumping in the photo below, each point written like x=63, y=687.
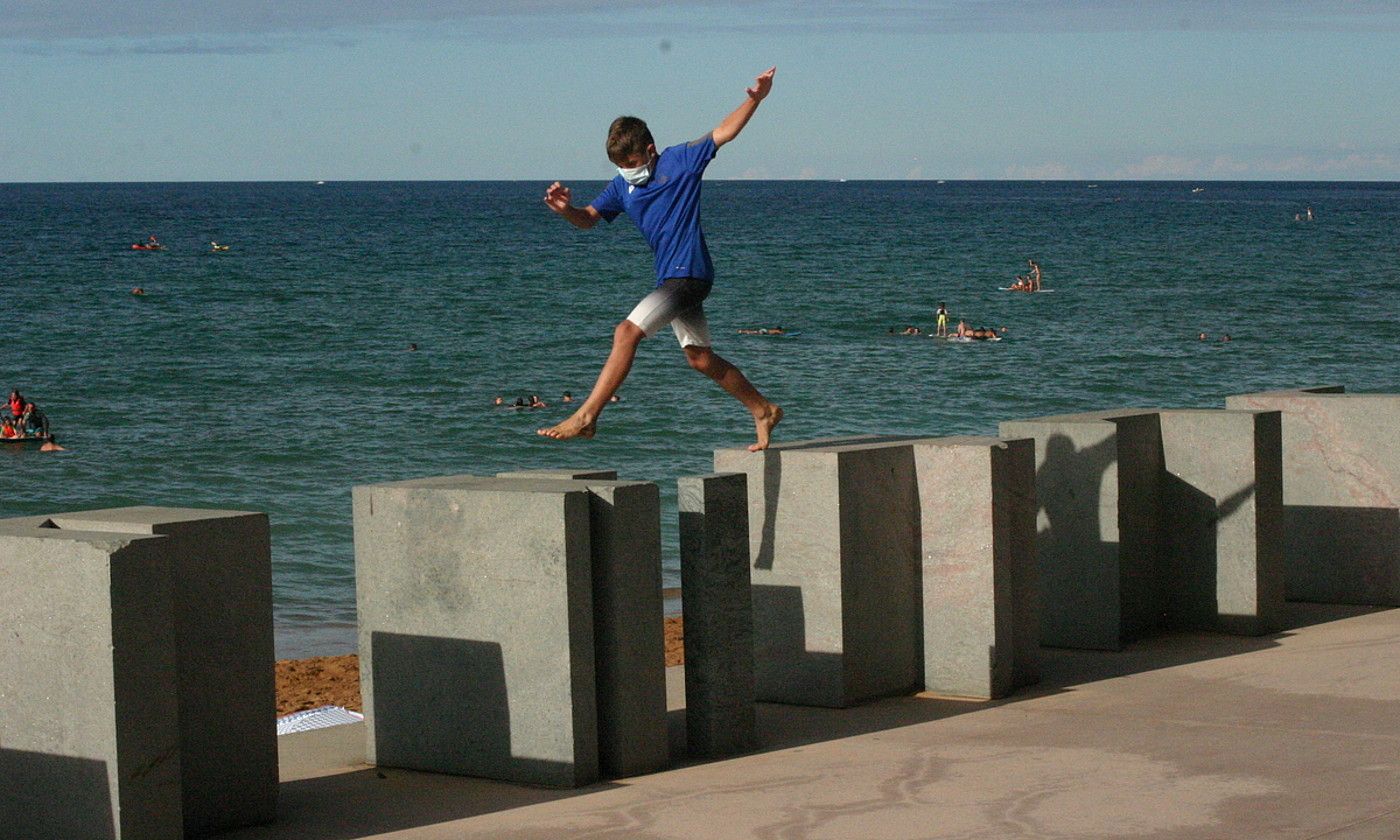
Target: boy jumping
x=661, y=193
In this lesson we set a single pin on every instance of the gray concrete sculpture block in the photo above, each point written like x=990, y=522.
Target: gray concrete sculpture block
x=626, y=650
x=977, y=510
x=1341, y=488
x=592, y=475
x=1223, y=510
x=718, y=614
x=629, y=636
x=1098, y=485
x=163, y=616
x=834, y=544
x=475, y=602
x=628, y=629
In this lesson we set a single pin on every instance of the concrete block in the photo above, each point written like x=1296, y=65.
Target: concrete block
x=1098, y=486
x=628, y=626
x=977, y=511
x=476, y=628
x=1223, y=509
x=593, y=475
x=1341, y=488
x=833, y=530
x=628, y=614
x=165, y=615
x=718, y=614
x=626, y=663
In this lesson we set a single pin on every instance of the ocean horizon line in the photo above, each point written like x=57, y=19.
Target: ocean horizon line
x=1086, y=181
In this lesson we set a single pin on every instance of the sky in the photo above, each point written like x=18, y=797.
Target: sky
x=158, y=90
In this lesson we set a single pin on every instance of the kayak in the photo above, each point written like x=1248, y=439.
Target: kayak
x=137, y=246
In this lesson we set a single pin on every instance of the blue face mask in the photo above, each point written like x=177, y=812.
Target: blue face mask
x=636, y=176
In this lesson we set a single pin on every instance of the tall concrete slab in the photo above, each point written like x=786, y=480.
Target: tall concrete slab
x=1098, y=487
x=1223, y=507
x=628, y=626
x=833, y=530
x=977, y=509
x=89, y=712
x=718, y=614
x=628, y=615
x=475, y=602
x=1341, y=488
x=212, y=606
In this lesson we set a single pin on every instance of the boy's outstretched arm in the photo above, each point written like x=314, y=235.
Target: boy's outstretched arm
x=559, y=199
x=730, y=127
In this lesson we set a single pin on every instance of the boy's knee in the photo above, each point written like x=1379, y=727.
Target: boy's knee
x=702, y=359
x=628, y=333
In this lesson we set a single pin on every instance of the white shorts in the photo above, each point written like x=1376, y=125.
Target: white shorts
x=678, y=302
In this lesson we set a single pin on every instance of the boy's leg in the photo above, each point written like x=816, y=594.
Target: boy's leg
x=584, y=421
x=655, y=311
x=694, y=335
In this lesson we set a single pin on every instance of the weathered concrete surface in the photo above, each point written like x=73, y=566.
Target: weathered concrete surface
x=89, y=699
x=628, y=648
x=476, y=628
x=1223, y=505
x=1341, y=488
x=1098, y=484
x=628, y=631
x=718, y=613
x=593, y=475
x=980, y=592
x=833, y=528
x=220, y=579
x=1189, y=736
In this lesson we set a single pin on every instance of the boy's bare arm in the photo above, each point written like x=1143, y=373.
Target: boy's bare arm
x=730, y=127
x=559, y=199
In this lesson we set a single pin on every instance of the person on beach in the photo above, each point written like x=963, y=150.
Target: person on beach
x=660, y=191
x=942, y=331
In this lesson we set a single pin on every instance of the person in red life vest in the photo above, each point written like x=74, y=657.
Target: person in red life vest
x=16, y=404
x=7, y=429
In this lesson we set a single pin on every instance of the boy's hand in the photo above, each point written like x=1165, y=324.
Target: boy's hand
x=558, y=197
x=762, y=85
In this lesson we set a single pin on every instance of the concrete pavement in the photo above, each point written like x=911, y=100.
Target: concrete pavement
x=1184, y=735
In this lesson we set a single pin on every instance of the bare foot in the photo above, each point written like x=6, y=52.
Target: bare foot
x=575, y=426
x=763, y=424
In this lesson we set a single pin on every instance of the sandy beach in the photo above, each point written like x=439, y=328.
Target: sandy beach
x=335, y=680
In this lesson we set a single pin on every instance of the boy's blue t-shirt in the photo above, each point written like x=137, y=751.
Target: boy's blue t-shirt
x=666, y=209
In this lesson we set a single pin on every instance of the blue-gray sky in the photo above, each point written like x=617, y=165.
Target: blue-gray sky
x=428, y=89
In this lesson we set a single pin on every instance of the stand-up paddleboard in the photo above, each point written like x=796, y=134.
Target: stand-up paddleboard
x=1036, y=292
x=784, y=334
x=964, y=339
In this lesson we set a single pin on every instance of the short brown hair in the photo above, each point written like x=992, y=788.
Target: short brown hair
x=627, y=138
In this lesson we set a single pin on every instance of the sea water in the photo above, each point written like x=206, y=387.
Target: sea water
x=277, y=375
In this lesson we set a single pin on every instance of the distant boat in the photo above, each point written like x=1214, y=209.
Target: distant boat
x=1093, y=186
x=942, y=182
x=1198, y=189
x=319, y=183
